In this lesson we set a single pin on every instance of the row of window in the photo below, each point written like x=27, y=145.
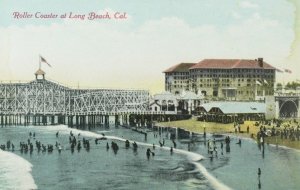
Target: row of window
x=259, y=92
x=211, y=85
x=224, y=80
x=181, y=78
x=177, y=73
x=232, y=76
x=232, y=71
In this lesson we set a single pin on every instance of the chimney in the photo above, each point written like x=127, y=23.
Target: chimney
x=260, y=62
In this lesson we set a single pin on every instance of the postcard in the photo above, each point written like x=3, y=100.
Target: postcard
x=163, y=94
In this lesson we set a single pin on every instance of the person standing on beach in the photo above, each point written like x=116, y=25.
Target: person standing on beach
x=262, y=140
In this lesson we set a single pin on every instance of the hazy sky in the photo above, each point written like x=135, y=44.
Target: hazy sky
x=133, y=52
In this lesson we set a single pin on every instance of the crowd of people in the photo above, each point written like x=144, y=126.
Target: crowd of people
x=9, y=146
x=75, y=142
x=289, y=131
x=212, y=148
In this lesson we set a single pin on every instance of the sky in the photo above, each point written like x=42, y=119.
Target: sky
x=132, y=53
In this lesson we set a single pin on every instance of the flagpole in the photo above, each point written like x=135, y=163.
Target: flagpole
x=39, y=61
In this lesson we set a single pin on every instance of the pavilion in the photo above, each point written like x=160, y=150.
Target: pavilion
x=227, y=112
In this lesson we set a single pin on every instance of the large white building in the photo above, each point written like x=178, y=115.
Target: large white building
x=223, y=79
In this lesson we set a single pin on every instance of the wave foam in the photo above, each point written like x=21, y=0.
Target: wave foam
x=15, y=172
x=213, y=181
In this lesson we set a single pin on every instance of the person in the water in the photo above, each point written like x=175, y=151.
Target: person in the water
x=174, y=143
x=78, y=145
x=135, y=146
x=161, y=144
x=127, y=144
x=59, y=148
x=148, y=153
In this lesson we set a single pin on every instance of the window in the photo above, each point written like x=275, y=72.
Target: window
x=215, y=93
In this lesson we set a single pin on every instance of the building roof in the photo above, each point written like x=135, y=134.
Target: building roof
x=154, y=102
x=188, y=95
x=165, y=96
x=39, y=72
x=236, y=107
x=181, y=67
x=231, y=64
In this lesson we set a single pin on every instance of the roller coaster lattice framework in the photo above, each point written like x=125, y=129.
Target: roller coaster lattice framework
x=45, y=97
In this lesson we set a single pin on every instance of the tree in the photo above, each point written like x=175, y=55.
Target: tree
x=292, y=85
x=278, y=85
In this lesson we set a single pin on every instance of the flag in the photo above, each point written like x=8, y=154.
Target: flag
x=265, y=81
x=257, y=82
x=279, y=71
x=287, y=71
x=44, y=60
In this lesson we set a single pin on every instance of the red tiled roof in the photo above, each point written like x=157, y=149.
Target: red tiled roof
x=231, y=64
x=181, y=67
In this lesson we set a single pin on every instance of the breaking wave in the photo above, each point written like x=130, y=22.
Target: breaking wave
x=15, y=172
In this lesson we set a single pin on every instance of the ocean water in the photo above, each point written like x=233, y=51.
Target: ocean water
x=100, y=168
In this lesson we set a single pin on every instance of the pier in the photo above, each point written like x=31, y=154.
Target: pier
x=44, y=102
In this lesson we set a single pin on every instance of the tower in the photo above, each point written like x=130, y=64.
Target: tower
x=39, y=74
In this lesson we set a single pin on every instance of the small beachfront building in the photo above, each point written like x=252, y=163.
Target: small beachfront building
x=165, y=101
x=184, y=103
x=155, y=106
x=188, y=101
x=228, y=112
